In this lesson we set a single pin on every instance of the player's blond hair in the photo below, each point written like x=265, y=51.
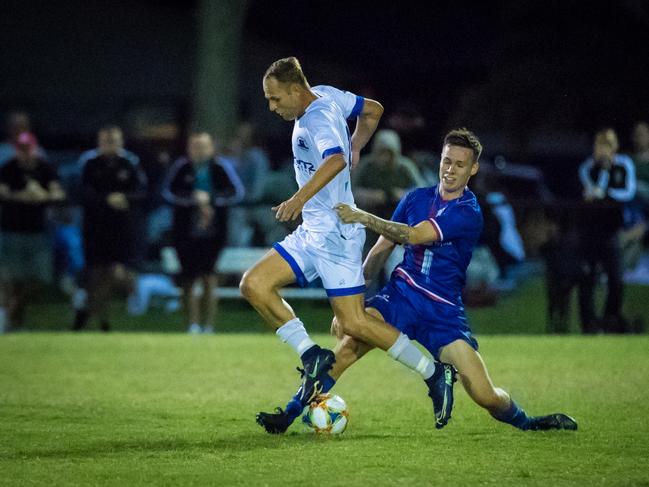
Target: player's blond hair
x=465, y=138
x=287, y=70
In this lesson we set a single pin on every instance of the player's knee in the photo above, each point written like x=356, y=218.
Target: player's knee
x=250, y=286
x=350, y=327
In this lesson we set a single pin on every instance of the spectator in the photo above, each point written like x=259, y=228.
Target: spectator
x=253, y=167
x=112, y=186
x=200, y=187
x=608, y=181
x=16, y=123
x=558, y=243
x=27, y=185
x=640, y=140
x=384, y=175
x=501, y=235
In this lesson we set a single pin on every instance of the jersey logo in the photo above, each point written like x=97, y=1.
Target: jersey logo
x=301, y=143
x=440, y=211
x=304, y=166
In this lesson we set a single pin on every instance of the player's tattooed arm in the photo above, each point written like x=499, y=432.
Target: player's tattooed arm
x=397, y=232
x=401, y=233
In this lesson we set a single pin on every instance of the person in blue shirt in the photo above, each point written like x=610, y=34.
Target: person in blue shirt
x=439, y=227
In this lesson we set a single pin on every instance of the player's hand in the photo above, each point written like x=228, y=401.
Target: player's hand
x=288, y=210
x=347, y=214
x=35, y=193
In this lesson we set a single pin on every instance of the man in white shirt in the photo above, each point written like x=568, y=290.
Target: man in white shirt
x=323, y=152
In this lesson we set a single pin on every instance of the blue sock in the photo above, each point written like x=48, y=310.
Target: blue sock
x=294, y=407
x=515, y=415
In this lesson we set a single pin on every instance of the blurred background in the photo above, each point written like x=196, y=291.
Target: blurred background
x=538, y=82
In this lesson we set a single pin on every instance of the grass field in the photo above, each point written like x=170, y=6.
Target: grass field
x=172, y=409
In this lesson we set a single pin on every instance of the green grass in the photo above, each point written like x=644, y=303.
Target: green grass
x=171, y=409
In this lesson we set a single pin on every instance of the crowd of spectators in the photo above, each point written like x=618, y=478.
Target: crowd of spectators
x=97, y=225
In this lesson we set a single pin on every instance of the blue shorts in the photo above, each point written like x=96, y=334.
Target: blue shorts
x=431, y=323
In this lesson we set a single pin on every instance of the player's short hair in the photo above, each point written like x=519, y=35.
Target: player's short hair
x=607, y=136
x=287, y=70
x=465, y=138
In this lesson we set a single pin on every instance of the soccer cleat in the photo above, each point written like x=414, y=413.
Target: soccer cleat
x=316, y=365
x=274, y=423
x=440, y=390
x=556, y=421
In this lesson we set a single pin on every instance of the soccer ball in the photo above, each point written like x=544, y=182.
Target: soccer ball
x=327, y=414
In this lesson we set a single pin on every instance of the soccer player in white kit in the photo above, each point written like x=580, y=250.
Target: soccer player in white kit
x=322, y=246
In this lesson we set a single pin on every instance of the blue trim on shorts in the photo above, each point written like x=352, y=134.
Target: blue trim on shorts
x=345, y=291
x=299, y=275
x=358, y=107
x=333, y=150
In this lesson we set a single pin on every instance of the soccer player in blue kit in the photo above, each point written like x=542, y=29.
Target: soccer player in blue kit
x=439, y=227
x=322, y=246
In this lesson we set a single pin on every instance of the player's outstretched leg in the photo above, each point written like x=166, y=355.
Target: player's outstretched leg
x=316, y=363
x=556, y=421
x=440, y=390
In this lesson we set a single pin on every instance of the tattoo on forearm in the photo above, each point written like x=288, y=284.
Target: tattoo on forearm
x=397, y=232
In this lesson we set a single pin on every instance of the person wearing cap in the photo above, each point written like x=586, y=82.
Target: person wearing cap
x=16, y=123
x=28, y=184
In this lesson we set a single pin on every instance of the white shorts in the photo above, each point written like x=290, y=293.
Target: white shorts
x=337, y=258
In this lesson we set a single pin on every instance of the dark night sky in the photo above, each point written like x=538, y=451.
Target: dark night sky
x=535, y=79
x=520, y=69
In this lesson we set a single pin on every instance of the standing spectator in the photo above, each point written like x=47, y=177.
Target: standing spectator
x=200, y=187
x=16, y=123
x=111, y=188
x=27, y=185
x=640, y=140
x=609, y=183
x=253, y=167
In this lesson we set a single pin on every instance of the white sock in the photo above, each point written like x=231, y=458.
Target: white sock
x=404, y=351
x=294, y=333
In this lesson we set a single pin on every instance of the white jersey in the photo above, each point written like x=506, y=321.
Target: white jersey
x=319, y=133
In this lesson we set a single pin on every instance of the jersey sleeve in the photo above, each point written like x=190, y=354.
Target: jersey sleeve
x=350, y=104
x=326, y=137
x=400, y=215
x=460, y=221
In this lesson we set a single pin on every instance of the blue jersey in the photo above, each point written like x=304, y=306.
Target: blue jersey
x=438, y=270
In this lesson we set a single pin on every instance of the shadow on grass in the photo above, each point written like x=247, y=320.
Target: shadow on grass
x=240, y=443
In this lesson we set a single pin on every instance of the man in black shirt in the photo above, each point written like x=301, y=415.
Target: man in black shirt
x=27, y=185
x=111, y=187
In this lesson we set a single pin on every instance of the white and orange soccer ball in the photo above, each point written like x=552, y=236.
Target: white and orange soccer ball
x=327, y=414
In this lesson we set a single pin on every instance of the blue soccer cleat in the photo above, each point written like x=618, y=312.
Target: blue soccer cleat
x=556, y=421
x=440, y=390
x=317, y=362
